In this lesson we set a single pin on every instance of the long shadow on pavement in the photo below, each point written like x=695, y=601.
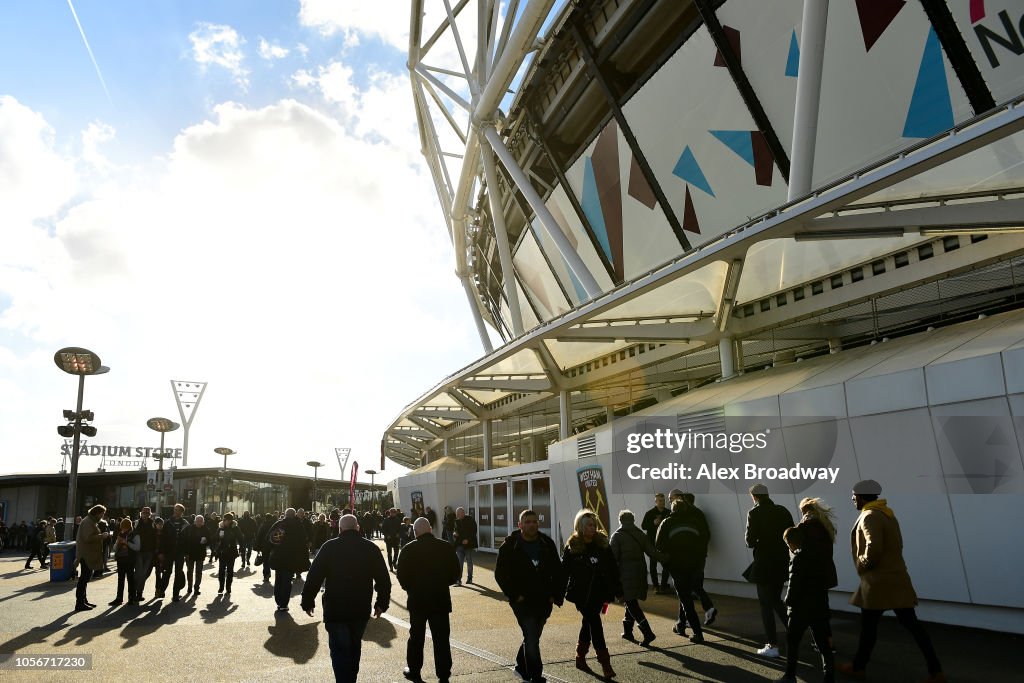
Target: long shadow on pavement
x=217, y=610
x=111, y=618
x=710, y=671
x=159, y=614
x=486, y=592
x=380, y=631
x=35, y=636
x=288, y=639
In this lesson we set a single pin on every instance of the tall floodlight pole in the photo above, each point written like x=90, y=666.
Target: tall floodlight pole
x=76, y=361
x=224, y=475
x=187, y=395
x=342, y=454
x=315, y=465
x=162, y=425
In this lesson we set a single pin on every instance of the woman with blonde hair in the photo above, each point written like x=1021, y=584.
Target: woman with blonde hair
x=817, y=530
x=593, y=583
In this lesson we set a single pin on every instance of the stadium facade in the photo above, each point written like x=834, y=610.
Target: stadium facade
x=796, y=218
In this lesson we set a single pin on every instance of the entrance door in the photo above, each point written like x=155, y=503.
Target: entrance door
x=483, y=501
x=500, y=506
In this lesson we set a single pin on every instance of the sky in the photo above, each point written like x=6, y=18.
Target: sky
x=226, y=192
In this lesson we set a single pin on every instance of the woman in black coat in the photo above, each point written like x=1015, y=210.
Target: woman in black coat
x=593, y=583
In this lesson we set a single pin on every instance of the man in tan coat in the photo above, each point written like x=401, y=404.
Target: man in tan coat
x=877, y=547
x=89, y=549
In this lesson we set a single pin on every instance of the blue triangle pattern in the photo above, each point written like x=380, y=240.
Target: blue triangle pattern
x=688, y=169
x=931, y=110
x=591, y=202
x=738, y=141
x=793, y=60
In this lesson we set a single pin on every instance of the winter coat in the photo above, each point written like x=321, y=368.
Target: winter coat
x=198, y=540
x=877, y=547
x=592, y=572
x=174, y=539
x=426, y=568
x=146, y=532
x=652, y=520
x=807, y=595
x=248, y=528
x=229, y=538
x=766, y=522
x=89, y=543
x=684, y=537
x=465, y=530
x=817, y=545
x=629, y=546
x=517, y=576
x=125, y=553
x=287, y=541
x=352, y=567
x=391, y=528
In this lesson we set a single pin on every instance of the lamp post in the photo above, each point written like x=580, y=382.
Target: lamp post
x=373, y=492
x=315, y=465
x=162, y=425
x=76, y=361
x=224, y=475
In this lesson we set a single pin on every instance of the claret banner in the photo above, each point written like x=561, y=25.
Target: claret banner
x=593, y=494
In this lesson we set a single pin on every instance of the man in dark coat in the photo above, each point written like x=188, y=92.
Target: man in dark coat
x=247, y=528
x=146, y=532
x=174, y=546
x=684, y=537
x=289, y=555
x=391, y=527
x=529, y=572
x=426, y=568
x=766, y=522
x=465, y=543
x=353, y=567
x=652, y=520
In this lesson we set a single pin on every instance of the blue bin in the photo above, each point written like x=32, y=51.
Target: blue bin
x=62, y=561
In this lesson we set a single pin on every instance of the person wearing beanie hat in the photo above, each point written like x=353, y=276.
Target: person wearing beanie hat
x=877, y=548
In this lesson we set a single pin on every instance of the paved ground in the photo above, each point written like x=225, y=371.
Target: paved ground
x=212, y=638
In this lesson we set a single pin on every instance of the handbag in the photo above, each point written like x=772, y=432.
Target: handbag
x=259, y=559
x=748, y=573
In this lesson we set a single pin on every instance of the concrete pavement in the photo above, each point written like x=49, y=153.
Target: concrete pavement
x=242, y=638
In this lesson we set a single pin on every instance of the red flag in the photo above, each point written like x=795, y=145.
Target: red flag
x=382, y=441
x=352, y=487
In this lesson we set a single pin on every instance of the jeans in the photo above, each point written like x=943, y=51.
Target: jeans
x=531, y=620
x=440, y=629
x=465, y=555
x=283, y=586
x=226, y=571
x=685, y=583
x=634, y=614
x=143, y=563
x=246, y=551
x=84, y=574
x=346, y=642
x=869, y=619
x=769, y=595
x=592, y=629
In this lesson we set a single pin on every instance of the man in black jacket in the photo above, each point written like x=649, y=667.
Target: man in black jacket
x=247, y=527
x=352, y=567
x=766, y=522
x=426, y=567
x=465, y=543
x=529, y=572
x=652, y=520
x=174, y=546
x=684, y=536
x=391, y=527
x=146, y=532
x=289, y=555
x=200, y=538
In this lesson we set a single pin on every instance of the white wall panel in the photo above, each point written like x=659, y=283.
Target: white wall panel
x=978, y=447
x=898, y=449
x=812, y=405
x=965, y=380
x=987, y=555
x=886, y=393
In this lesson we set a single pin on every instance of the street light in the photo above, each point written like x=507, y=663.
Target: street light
x=315, y=465
x=162, y=425
x=373, y=493
x=76, y=361
x=225, y=452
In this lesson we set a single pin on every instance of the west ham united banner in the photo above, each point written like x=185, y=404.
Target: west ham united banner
x=593, y=494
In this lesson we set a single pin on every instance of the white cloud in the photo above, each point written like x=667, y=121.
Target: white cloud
x=386, y=21
x=220, y=45
x=271, y=51
x=93, y=137
x=298, y=266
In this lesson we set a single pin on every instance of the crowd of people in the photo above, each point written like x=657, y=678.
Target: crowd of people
x=591, y=571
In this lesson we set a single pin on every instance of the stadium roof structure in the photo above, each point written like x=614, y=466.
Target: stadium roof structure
x=646, y=196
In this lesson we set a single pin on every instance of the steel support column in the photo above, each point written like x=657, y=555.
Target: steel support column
x=564, y=414
x=727, y=355
x=485, y=339
x=485, y=425
x=808, y=95
x=508, y=279
x=587, y=50
x=547, y=221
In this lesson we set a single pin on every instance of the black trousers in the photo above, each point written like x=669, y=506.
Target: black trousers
x=592, y=629
x=869, y=619
x=798, y=623
x=226, y=572
x=686, y=583
x=84, y=574
x=654, y=573
x=394, y=547
x=634, y=613
x=440, y=631
x=769, y=595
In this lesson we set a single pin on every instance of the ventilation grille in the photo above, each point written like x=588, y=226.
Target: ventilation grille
x=586, y=446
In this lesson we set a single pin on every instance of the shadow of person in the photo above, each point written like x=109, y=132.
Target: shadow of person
x=486, y=592
x=264, y=590
x=36, y=635
x=288, y=639
x=218, y=609
x=380, y=631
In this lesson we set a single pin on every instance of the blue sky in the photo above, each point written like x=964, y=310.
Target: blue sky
x=248, y=208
